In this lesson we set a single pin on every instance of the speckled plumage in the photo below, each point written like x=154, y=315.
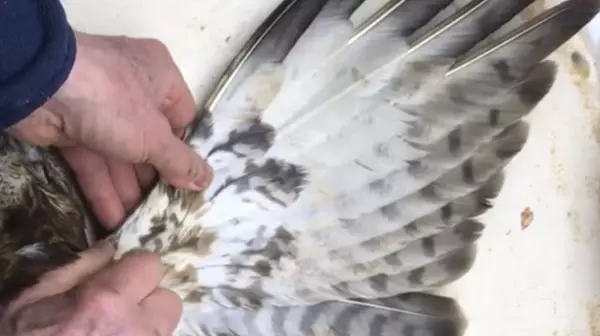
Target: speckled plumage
x=43, y=221
x=354, y=147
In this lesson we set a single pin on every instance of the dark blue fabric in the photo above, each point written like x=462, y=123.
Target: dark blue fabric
x=37, y=51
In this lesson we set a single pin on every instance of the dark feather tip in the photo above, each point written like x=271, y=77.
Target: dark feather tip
x=538, y=83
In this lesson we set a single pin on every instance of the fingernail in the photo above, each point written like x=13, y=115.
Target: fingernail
x=203, y=182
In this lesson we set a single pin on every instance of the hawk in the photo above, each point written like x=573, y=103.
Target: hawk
x=354, y=145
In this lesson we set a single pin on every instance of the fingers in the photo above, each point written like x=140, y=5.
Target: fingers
x=69, y=276
x=126, y=184
x=164, y=308
x=134, y=277
x=179, y=165
x=93, y=176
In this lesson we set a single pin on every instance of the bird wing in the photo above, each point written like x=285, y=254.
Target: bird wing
x=353, y=148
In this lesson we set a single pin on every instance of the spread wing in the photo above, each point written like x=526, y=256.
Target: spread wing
x=353, y=148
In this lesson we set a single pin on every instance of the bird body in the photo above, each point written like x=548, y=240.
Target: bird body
x=44, y=221
x=352, y=158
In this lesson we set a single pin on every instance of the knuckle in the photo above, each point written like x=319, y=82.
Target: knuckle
x=142, y=146
x=156, y=43
x=159, y=144
x=158, y=47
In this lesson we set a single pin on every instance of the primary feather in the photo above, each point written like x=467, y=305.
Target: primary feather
x=352, y=157
x=413, y=314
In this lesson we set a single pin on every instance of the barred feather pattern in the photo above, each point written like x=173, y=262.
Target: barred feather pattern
x=429, y=316
x=351, y=161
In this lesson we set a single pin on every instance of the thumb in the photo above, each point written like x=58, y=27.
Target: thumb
x=179, y=165
x=67, y=277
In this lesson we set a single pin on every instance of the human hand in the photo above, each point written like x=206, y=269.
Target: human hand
x=119, y=115
x=90, y=298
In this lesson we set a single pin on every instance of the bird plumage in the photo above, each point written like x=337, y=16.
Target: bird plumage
x=408, y=314
x=44, y=222
x=352, y=157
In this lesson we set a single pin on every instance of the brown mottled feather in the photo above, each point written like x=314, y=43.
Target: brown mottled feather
x=43, y=221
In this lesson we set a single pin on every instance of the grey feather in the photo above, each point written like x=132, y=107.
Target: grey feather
x=430, y=316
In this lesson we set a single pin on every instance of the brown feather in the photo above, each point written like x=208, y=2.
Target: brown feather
x=44, y=222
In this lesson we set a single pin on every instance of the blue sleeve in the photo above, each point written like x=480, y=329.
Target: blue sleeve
x=37, y=51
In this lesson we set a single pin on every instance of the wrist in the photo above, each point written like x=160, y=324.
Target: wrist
x=75, y=81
